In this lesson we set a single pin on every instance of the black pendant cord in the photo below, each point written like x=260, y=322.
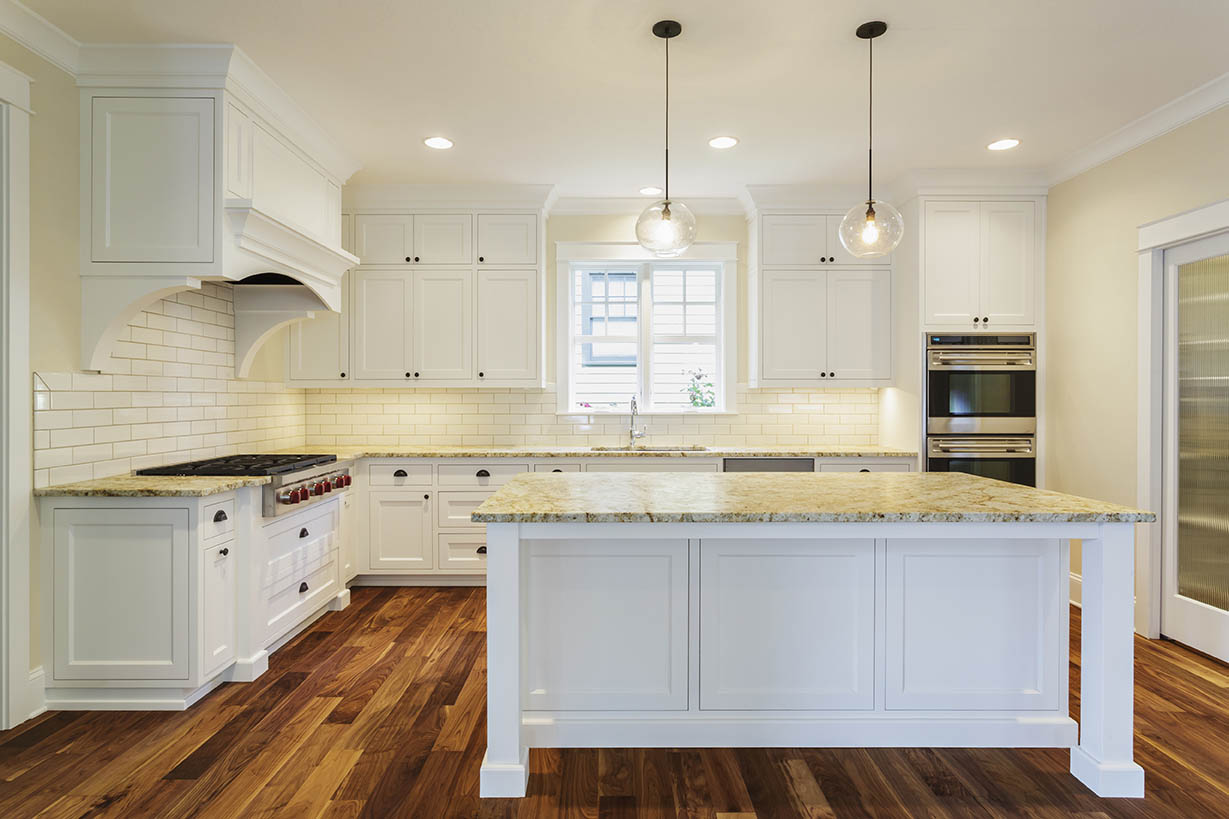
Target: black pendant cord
x=667, y=189
x=870, y=123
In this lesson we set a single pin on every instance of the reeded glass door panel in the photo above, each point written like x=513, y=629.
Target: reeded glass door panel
x=1203, y=431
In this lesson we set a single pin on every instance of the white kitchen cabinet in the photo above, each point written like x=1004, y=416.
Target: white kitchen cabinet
x=383, y=238
x=807, y=240
x=219, y=626
x=793, y=339
x=347, y=536
x=441, y=320
x=462, y=552
x=399, y=530
x=383, y=337
x=318, y=348
x=507, y=238
x=152, y=179
x=509, y=325
x=817, y=597
x=979, y=264
x=859, y=324
x=443, y=238
x=122, y=594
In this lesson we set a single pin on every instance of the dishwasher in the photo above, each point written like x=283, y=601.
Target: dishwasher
x=768, y=465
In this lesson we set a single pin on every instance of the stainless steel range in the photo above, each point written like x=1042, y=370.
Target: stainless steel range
x=297, y=480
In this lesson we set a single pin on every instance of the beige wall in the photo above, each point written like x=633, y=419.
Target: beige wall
x=1091, y=299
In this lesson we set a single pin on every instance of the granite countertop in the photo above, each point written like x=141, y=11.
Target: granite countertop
x=759, y=497
x=154, y=486
x=550, y=451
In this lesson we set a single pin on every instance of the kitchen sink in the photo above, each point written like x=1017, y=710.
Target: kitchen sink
x=680, y=448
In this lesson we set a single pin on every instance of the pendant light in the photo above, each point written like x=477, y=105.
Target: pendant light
x=873, y=228
x=666, y=228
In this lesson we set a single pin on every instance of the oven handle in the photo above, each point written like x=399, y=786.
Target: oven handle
x=980, y=449
x=1023, y=360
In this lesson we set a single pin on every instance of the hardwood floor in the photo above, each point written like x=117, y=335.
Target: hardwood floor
x=378, y=711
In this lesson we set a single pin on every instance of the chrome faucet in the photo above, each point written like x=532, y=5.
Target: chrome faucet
x=632, y=432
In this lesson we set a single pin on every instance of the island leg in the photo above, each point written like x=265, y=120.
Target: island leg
x=1103, y=760
x=505, y=766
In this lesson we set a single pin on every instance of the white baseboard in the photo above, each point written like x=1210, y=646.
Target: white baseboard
x=1076, y=589
x=417, y=580
x=128, y=699
x=36, y=693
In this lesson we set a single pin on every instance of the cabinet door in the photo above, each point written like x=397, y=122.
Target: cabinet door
x=794, y=239
x=792, y=316
x=860, y=324
x=152, y=167
x=121, y=594
x=443, y=324
x=838, y=253
x=508, y=324
x=507, y=238
x=1007, y=284
x=787, y=624
x=950, y=263
x=346, y=535
x=320, y=347
x=383, y=344
x=219, y=608
x=384, y=238
x=444, y=238
x=399, y=530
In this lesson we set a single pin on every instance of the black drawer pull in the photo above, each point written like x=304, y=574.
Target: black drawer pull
x=481, y=550
x=303, y=532
x=482, y=473
x=303, y=587
x=556, y=470
x=219, y=516
x=401, y=473
x=864, y=470
x=223, y=552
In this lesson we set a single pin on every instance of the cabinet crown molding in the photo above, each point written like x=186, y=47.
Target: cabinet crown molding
x=400, y=198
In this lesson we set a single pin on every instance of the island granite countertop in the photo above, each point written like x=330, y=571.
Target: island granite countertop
x=758, y=497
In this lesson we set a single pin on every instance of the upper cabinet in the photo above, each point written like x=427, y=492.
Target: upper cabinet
x=979, y=264
x=507, y=238
x=384, y=238
x=806, y=240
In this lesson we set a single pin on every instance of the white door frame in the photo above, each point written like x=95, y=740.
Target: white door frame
x=1154, y=239
x=21, y=694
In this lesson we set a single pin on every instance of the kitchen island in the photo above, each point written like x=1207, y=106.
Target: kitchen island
x=803, y=610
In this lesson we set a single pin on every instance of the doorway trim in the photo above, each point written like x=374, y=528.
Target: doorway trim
x=1154, y=239
x=21, y=692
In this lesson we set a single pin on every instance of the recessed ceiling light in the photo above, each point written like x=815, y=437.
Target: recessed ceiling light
x=651, y=191
x=723, y=142
x=439, y=143
x=1003, y=144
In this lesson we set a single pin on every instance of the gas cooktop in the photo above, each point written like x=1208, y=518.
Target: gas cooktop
x=242, y=465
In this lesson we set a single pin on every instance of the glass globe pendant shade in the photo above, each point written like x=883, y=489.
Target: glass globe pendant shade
x=666, y=228
x=871, y=229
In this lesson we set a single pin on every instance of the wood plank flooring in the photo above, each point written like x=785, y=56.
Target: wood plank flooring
x=378, y=711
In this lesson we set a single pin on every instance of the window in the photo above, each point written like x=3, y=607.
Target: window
x=651, y=330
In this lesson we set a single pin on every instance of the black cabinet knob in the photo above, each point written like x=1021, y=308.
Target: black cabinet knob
x=303, y=532
x=482, y=375
x=415, y=258
x=832, y=375
x=219, y=516
x=408, y=259
x=976, y=319
x=401, y=473
x=343, y=375
x=426, y=497
x=985, y=319
x=481, y=550
x=416, y=375
x=407, y=375
x=303, y=587
x=482, y=473
x=482, y=258
x=823, y=375
x=224, y=552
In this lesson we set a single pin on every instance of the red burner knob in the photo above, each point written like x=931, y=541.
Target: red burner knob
x=294, y=496
x=347, y=479
x=328, y=486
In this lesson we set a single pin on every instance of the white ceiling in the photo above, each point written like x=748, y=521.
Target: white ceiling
x=569, y=92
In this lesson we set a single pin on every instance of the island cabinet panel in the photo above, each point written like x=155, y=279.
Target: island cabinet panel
x=993, y=628
x=122, y=598
x=606, y=625
x=787, y=624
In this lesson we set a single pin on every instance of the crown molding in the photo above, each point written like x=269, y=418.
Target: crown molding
x=630, y=205
x=633, y=252
x=983, y=182
x=40, y=36
x=397, y=198
x=1172, y=115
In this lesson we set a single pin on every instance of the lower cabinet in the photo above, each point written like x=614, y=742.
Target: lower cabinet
x=462, y=552
x=399, y=530
x=219, y=626
x=787, y=624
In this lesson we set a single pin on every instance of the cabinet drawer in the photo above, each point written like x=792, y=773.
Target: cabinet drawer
x=391, y=474
x=479, y=474
x=287, y=608
x=462, y=552
x=551, y=467
x=218, y=518
x=288, y=536
x=454, y=508
x=286, y=569
x=870, y=466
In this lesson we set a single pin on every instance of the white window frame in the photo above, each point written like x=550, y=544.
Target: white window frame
x=570, y=256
